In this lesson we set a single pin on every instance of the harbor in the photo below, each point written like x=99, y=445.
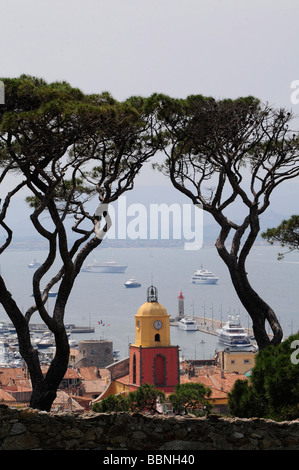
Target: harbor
x=41, y=327
x=41, y=338
x=210, y=326
x=231, y=334
x=107, y=299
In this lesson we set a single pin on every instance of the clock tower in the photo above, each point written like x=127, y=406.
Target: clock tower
x=153, y=359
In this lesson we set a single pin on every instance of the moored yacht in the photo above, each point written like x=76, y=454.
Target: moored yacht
x=131, y=283
x=104, y=267
x=34, y=264
x=203, y=276
x=233, y=335
x=3, y=328
x=46, y=341
x=187, y=324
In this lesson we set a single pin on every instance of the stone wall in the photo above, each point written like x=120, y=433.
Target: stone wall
x=27, y=429
x=94, y=353
x=119, y=369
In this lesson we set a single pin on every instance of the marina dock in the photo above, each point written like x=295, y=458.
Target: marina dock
x=42, y=328
x=210, y=325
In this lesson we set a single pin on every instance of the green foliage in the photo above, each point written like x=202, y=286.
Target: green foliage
x=273, y=388
x=66, y=190
x=244, y=402
x=31, y=97
x=76, y=154
x=143, y=399
x=191, y=397
x=54, y=132
x=287, y=234
x=111, y=403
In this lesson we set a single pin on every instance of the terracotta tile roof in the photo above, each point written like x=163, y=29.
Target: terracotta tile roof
x=14, y=376
x=211, y=377
x=91, y=373
x=95, y=386
x=74, y=352
x=123, y=380
x=63, y=401
x=5, y=396
x=17, y=388
x=71, y=374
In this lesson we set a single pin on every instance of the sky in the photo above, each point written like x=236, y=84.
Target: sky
x=222, y=48
x=219, y=48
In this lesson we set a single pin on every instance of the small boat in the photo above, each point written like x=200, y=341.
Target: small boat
x=233, y=335
x=187, y=324
x=80, y=329
x=132, y=283
x=105, y=267
x=50, y=293
x=4, y=329
x=116, y=353
x=34, y=264
x=203, y=276
x=46, y=341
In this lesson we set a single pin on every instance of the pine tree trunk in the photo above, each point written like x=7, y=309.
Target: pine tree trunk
x=257, y=308
x=44, y=388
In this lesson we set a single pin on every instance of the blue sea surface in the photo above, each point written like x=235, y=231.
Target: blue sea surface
x=99, y=297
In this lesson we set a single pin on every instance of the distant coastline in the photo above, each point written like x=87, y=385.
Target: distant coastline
x=41, y=245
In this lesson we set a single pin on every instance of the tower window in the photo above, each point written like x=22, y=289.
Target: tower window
x=157, y=337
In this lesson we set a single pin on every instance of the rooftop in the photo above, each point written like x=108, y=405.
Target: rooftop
x=211, y=376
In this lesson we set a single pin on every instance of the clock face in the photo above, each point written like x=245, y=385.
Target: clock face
x=157, y=324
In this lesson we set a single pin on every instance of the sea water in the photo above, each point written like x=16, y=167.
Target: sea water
x=102, y=301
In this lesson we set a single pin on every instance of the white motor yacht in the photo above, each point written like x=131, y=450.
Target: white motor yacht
x=34, y=264
x=105, y=267
x=187, y=324
x=233, y=335
x=203, y=276
x=131, y=283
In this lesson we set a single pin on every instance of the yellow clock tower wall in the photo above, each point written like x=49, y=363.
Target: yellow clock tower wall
x=152, y=323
